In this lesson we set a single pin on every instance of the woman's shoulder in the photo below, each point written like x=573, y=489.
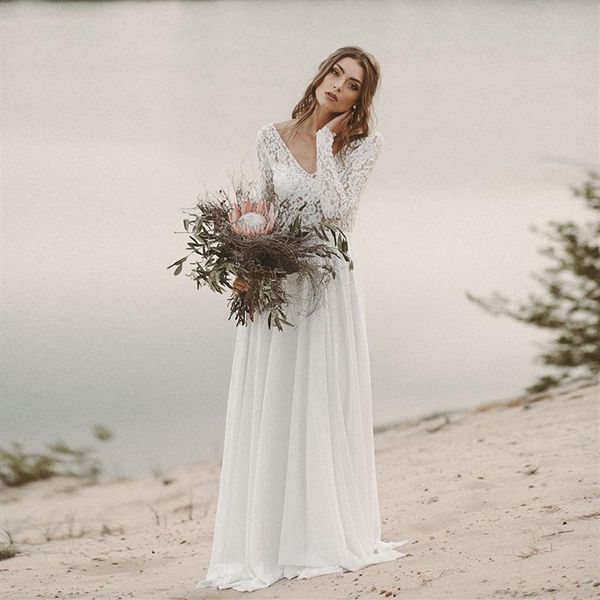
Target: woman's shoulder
x=371, y=136
x=374, y=135
x=373, y=139
x=281, y=126
x=264, y=129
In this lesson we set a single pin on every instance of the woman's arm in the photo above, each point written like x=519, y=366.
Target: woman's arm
x=265, y=190
x=342, y=183
x=265, y=174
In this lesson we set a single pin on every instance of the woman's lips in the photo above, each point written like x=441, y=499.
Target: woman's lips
x=331, y=96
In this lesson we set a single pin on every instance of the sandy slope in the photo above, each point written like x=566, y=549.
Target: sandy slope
x=499, y=502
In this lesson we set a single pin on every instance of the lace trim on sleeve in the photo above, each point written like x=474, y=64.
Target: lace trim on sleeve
x=341, y=185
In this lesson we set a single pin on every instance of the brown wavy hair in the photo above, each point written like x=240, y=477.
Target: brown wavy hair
x=359, y=123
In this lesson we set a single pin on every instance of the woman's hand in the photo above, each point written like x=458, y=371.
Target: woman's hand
x=339, y=122
x=241, y=285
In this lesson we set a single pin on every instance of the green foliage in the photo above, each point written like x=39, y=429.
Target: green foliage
x=8, y=551
x=570, y=305
x=19, y=467
x=310, y=251
x=101, y=432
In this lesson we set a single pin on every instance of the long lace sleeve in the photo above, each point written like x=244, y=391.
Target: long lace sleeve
x=342, y=184
x=265, y=174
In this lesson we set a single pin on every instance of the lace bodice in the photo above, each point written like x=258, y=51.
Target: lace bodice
x=332, y=192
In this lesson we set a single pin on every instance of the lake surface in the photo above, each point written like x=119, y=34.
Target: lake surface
x=116, y=116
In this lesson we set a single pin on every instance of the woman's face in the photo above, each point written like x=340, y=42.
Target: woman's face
x=344, y=80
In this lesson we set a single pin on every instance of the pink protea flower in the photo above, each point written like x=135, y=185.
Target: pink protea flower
x=252, y=219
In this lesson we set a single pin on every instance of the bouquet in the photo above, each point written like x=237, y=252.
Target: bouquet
x=248, y=238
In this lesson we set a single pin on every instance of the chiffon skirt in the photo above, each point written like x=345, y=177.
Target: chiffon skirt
x=298, y=489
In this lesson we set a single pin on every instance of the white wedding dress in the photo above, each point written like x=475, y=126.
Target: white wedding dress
x=298, y=489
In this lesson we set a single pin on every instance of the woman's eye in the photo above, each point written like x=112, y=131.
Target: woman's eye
x=334, y=71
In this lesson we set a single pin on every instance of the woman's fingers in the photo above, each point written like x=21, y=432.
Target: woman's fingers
x=340, y=121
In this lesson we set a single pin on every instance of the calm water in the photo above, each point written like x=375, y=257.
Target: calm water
x=115, y=116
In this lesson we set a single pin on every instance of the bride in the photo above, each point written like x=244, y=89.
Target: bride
x=298, y=489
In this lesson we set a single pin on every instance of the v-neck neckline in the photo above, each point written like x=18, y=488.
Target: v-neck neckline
x=289, y=152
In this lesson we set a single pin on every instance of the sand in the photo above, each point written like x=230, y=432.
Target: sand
x=501, y=501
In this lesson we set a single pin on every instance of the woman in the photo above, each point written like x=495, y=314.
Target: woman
x=298, y=491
